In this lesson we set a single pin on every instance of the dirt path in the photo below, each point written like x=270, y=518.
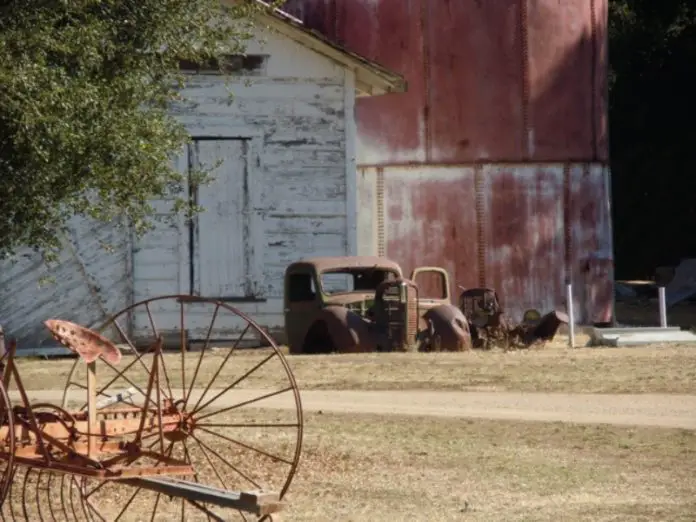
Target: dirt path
x=671, y=411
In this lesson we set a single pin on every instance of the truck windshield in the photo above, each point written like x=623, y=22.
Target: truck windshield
x=354, y=280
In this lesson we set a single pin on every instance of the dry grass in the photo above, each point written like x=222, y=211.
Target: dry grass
x=358, y=468
x=365, y=467
x=655, y=369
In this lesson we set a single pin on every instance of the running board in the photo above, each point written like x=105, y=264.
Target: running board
x=255, y=502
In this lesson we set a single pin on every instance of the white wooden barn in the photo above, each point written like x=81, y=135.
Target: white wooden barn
x=286, y=189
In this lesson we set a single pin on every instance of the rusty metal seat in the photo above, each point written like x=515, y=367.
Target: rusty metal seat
x=89, y=345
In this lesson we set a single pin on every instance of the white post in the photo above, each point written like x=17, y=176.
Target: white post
x=571, y=316
x=662, y=298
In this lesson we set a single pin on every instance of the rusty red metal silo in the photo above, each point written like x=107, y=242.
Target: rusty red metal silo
x=494, y=164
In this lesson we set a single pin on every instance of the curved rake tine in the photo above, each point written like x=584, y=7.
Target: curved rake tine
x=63, y=505
x=51, y=497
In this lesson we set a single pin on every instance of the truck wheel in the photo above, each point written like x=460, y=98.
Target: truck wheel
x=318, y=340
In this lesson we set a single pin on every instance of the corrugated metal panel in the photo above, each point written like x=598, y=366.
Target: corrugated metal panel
x=90, y=284
x=561, y=79
x=600, y=12
x=430, y=221
x=475, y=81
x=491, y=85
x=391, y=127
x=502, y=226
x=491, y=81
x=590, y=236
x=525, y=247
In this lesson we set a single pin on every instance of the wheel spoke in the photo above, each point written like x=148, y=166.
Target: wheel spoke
x=210, y=463
x=154, y=509
x=228, y=388
x=200, y=357
x=138, y=356
x=187, y=458
x=247, y=446
x=245, y=403
x=205, y=510
x=214, y=451
x=182, y=347
x=163, y=365
x=130, y=501
x=247, y=425
x=223, y=459
x=152, y=320
x=222, y=365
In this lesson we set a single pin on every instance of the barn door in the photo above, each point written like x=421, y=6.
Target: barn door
x=224, y=233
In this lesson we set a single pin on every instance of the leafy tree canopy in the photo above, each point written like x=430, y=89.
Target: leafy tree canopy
x=84, y=91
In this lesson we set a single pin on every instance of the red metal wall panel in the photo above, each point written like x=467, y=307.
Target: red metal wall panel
x=561, y=68
x=524, y=236
x=590, y=242
x=430, y=220
x=506, y=113
x=474, y=87
x=391, y=128
x=600, y=10
x=511, y=80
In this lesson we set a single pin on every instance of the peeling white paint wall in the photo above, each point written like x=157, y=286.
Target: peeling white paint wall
x=293, y=116
x=87, y=284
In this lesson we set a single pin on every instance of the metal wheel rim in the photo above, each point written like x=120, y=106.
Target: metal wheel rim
x=268, y=341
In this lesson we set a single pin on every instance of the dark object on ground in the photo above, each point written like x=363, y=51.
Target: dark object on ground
x=490, y=326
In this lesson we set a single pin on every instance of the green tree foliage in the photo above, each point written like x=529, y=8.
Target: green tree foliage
x=652, y=50
x=84, y=90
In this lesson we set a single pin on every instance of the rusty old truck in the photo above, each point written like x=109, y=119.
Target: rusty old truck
x=364, y=304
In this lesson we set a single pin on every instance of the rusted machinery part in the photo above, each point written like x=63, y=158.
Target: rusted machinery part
x=7, y=460
x=448, y=329
x=86, y=343
x=337, y=329
x=224, y=432
x=544, y=329
x=43, y=496
x=37, y=494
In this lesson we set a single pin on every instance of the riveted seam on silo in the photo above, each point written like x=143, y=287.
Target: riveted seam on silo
x=527, y=138
x=480, y=223
x=425, y=37
x=593, y=79
x=381, y=239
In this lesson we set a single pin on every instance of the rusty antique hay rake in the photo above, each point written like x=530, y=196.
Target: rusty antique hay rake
x=162, y=436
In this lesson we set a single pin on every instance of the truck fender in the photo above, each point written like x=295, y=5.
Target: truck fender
x=348, y=331
x=448, y=329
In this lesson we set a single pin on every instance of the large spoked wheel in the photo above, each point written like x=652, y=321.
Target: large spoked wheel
x=7, y=443
x=240, y=413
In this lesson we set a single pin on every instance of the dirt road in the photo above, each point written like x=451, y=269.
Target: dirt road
x=671, y=411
